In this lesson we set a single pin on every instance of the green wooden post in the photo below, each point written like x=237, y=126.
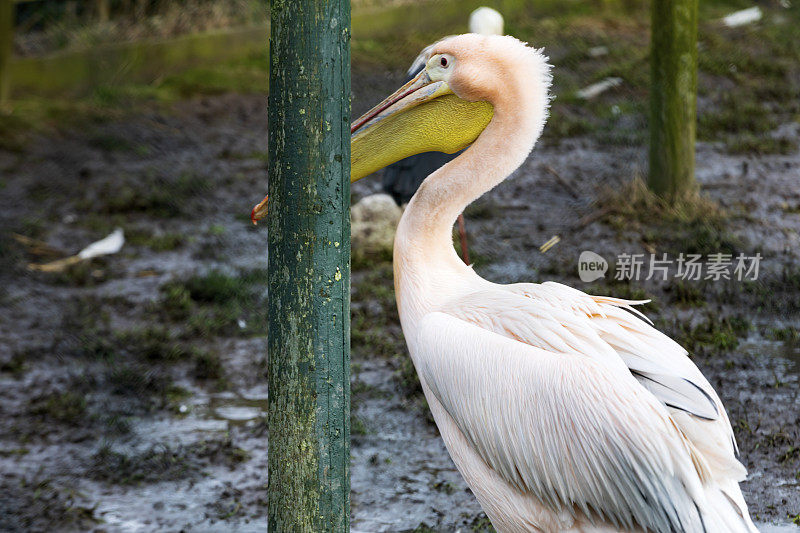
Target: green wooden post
x=309, y=266
x=6, y=47
x=673, y=98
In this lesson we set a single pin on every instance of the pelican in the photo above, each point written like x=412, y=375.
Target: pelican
x=563, y=411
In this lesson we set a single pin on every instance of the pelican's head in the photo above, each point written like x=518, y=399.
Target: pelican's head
x=467, y=80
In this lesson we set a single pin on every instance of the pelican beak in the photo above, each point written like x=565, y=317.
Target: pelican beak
x=421, y=116
x=259, y=211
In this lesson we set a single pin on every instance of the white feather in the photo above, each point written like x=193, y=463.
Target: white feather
x=105, y=246
x=545, y=422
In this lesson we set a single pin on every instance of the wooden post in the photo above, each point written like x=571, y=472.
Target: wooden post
x=673, y=98
x=140, y=10
x=6, y=48
x=102, y=10
x=309, y=266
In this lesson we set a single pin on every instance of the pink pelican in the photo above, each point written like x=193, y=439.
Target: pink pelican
x=563, y=411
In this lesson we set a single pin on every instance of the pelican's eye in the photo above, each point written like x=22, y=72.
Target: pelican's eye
x=440, y=67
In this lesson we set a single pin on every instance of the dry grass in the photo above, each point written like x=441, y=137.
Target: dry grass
x=693, y=224
x=634, y=201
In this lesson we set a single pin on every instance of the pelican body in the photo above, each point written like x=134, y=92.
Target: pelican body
x=562, y=411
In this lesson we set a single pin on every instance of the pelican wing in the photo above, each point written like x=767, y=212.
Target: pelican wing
x=579, y=434
x=659, y=364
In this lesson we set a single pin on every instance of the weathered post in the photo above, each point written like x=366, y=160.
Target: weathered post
x=103, y=10
x=673, y=98
x=309, y=266
x=6, y=46
x=140, y=11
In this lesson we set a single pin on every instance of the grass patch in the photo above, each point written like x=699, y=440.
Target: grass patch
x=207, y=365
x=84, y=274
x=481, y=524
x=221, y=451
x=217, y=303
x=787, y=334
x=444, y=486
x=158, y=242
x=85, y=329
x=715, y=335
x=483, y=209
x=163, y=462
x=375, y=331
x=32, y=116
x=141, y=381
x=15, y=131
x=749, y=77
x=149, y=388
x=770, y=293
x=11, y=254
x=15, y=365
x=159, y=463
x=362, y=259
x=40, y=504
x=374, y=326
x=66, y=407
x=153, y=344
x=158, y=196
x=751, y=144
x=686, y=294
x=363, y=390
x=243, y=78
x=110, y=142
x=216, y=287
x=693, y=225
x=358, y=426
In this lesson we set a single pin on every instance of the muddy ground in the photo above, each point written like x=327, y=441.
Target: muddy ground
x=133, y=387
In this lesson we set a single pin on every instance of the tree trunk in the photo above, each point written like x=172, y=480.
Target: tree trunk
x=6, y=47
x=673, y=98
x=309, y=266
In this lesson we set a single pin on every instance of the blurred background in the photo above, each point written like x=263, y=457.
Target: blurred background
x=132, y=372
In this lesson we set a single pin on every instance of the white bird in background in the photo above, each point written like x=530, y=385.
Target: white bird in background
x=563, y=411
x=483, y=21
x=486, y=21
